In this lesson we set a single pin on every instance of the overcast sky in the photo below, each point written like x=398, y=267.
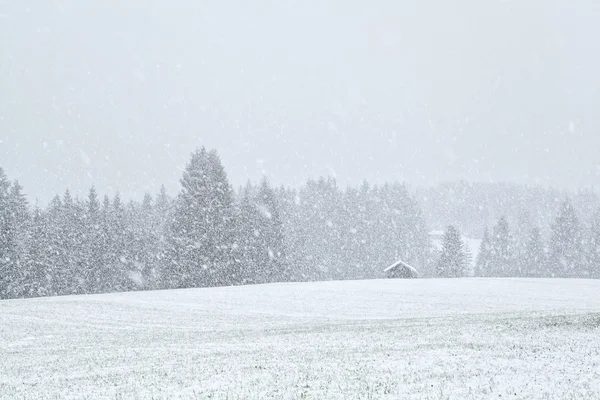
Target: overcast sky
x=117, y=93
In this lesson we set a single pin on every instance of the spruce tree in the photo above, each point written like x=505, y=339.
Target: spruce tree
x=593, y=246
x=162, y=219
x=534, y=262
x=522, y=236
x=566, y=252
x=118, y=245
x=55, y=240
x=452, y=261
x=93, y=268
x=482, y=267
x=248, y=244
x=38, y=258
x=14, y=219
x=272, y=261
x=202, y=233
x=502, y=257
x=7, y=273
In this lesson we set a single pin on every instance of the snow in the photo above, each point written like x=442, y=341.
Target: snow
x=388, y=339
x=402, y=263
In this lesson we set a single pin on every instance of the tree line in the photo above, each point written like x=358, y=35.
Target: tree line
x=208, y=235
x=572, y=249
x=213, y=235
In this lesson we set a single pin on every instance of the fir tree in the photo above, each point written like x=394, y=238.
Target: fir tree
x=522, y=237
x=38, y=258
x=268, y=231
x=482, y=267
x=502, y=257
x=55, y=240
x=202, y=232
x=566, y=255
x=452, y=261
x=534, y=260
x=14, y=230
x=7, y=273
x=93, y=269
x=593, y=246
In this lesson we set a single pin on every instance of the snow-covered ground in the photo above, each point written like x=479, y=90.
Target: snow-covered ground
x=390, y=339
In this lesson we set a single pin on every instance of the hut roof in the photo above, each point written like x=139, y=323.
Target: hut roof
x=400, y=264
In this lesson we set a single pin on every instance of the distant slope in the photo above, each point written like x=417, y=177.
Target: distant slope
x=454, y=338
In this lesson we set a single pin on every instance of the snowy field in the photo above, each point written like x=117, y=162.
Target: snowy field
x=386, y=339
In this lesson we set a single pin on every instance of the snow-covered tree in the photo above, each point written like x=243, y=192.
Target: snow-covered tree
x=93, y=268
x=202, y=234
x=452, y=262
x=592, y=248
x=534, y=262
x=14, y=217
x=521, y=238
x=482, y=264
x=7, y=272
x=38, y=257
x=566, y=250
x=502, y=250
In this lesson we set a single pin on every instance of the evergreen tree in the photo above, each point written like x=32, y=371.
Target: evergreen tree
x=55, y=240
x=7, y=273
x=248, y=245
x=469, y=270
x=593, y=246
x=319, y=257
x=106, y=232
x=265, y=243
x=93, y=269
x=15, y=215
x=482, y=267
x=118, y=245
x=202, y=232
x=162, y=218
x=534, y=262
x=38, y=261
x=566, y=253
x=502, y=257
x=522, y=236
x=452, y=261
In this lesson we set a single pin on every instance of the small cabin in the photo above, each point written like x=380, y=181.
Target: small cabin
x=401, y=270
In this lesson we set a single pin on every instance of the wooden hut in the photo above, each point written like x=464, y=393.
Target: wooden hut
x=401, y=270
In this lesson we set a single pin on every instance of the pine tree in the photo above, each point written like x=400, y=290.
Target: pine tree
x=202, y=233
x=162, y=218
x=271, y=263
x=118, y=245
x=248, y=245
x=452, y=261
x=482, y=267
x=468, y=259
x=15, y=215
x=566, y=253
x=502, y=257
x=55, y=240
x=593, y=246
x=38, y=261
x=534, y=260
x=7, y=273
x=93, y=268
x=522, y=236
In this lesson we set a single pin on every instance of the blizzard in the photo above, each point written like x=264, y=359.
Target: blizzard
x=377, y=339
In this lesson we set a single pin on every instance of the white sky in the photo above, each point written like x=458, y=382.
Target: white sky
x=117, y=93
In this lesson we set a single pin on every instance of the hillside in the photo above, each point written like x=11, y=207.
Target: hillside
x=465, y=338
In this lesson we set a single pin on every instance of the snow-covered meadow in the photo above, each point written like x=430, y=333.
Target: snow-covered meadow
x=390, y=339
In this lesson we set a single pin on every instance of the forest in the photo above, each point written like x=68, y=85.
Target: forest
x=211, y=234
